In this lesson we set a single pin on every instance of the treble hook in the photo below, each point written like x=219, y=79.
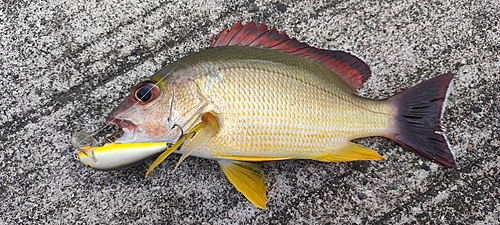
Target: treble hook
x=180, y=136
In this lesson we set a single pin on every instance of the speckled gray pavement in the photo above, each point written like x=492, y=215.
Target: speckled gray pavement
x=65, y=64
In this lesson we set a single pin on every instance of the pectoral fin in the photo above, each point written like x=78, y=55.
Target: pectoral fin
x=195, y=137
x=247, y=179
x=350, y=152
x=199, y=134
x=164, y=155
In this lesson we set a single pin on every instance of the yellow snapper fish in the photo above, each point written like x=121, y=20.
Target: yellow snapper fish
x=258, y=95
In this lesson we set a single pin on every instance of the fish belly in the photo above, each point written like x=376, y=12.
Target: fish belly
x=285, y=109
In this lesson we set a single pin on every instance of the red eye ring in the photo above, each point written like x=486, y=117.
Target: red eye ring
x=145, y=92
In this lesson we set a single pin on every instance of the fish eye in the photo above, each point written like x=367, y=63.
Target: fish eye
x=145, y=92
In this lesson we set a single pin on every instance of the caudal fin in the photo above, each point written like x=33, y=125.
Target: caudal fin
x=417, y=121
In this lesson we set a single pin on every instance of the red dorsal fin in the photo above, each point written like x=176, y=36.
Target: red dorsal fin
x=348, y=67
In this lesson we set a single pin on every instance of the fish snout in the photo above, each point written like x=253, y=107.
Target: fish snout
x=125, y=125
x=128, y=129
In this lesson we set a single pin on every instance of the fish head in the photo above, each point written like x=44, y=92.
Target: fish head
x=159, y=108
x=142, y=116
x=144, y=121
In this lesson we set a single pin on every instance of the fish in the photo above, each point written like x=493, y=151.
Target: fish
x=258, y=95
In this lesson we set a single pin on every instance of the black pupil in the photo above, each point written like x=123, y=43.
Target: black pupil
x=143, y=94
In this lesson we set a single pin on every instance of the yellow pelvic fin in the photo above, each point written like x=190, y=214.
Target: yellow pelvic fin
x=199, y=134
x=350, y=152
x=247, y=179
x=164, y=155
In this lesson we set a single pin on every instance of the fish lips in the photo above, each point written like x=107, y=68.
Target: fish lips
x=126, y=126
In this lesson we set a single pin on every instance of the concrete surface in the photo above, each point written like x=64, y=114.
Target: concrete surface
x=65, y=64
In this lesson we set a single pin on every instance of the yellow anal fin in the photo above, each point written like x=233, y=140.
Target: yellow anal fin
x=247, y=179
x=350, y=152
x=252, y=158
x=199, y=134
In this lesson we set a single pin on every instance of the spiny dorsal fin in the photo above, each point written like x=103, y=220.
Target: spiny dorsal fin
x=348, y=67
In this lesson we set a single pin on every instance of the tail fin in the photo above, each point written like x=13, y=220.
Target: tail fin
x=417, y=121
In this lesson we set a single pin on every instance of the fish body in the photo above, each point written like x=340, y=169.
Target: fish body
x=257, y=95
x=270, y=104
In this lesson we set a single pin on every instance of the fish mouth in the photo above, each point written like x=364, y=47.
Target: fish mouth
x=125, y=130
